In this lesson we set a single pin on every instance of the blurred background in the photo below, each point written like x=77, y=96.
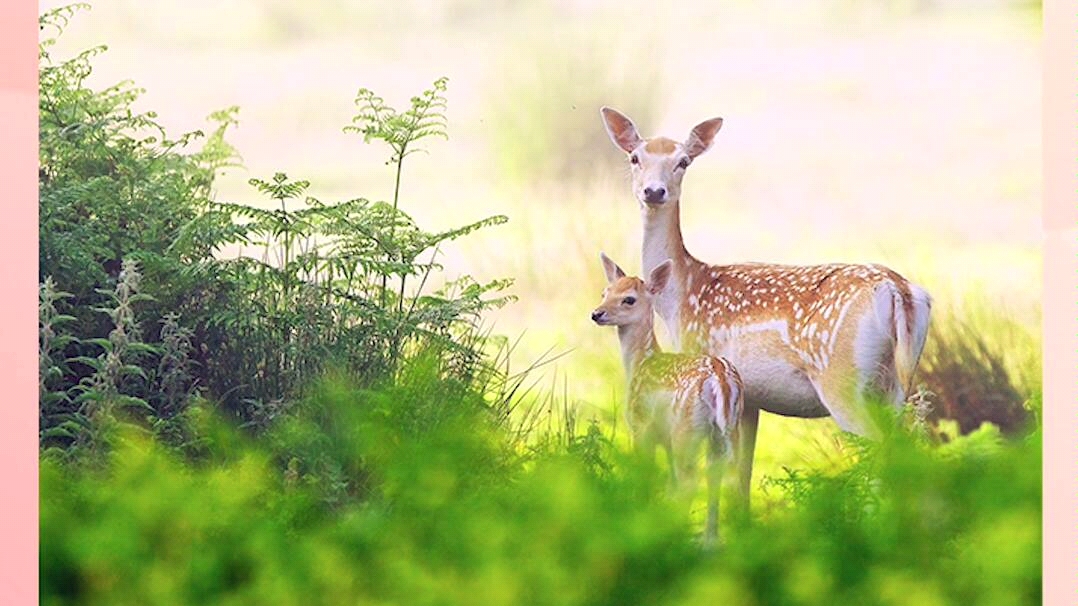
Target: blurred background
x=900, y=132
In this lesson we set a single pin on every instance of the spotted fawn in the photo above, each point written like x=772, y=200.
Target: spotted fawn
x=676, y=401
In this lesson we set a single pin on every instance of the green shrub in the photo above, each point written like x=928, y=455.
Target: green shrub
x=334, y=284
x=112, y=182
x=114, y=189
x=343, y=282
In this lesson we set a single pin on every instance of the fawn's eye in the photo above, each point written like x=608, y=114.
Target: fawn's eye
x=634, y=159
x=628, y=300
x=684, y=163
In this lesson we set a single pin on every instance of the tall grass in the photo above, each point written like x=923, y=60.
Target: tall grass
x=969, y=380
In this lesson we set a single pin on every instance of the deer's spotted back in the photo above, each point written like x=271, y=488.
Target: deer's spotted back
x=685, y=379
x=804, y=304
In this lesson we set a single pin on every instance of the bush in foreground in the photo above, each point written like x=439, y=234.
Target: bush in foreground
x=440, y=504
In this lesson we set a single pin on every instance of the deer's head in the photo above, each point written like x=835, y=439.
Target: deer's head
x=627, y=300
x=658, y=164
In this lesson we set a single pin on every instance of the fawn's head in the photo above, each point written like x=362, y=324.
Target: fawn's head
x=658, y=164
x=627, y=300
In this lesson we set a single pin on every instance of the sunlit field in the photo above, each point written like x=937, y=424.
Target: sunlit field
x=853, y=132
x=902, y=133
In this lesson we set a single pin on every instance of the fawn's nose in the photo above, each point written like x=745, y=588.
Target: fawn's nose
x=655, y=195
x=597, y=315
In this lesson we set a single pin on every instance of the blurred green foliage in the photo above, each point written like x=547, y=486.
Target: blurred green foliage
x=443, y=506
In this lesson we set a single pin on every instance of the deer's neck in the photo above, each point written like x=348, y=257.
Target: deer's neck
x=662, y=241
x=662, y=237
x=637, y=344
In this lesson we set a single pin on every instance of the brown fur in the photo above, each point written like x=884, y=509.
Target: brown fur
x=808, y=340
x=675, y=400
x=660, y=145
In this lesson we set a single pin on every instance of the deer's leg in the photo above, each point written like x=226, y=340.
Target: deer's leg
x=638, y=437
x=686, y=453
x=745, y=450
x=844, y=397
x=645, y=443
x=684, y=460
x=642, y=431
x=716, y=461
x=859, y=369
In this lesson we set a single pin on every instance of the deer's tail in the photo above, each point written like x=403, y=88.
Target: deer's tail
x=911, y=311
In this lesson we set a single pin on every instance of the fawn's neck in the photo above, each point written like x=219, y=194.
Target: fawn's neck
x=637, y=344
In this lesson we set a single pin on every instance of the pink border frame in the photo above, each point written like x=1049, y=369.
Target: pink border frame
x=1060, y=150
x=18, y=241
x=18, y=244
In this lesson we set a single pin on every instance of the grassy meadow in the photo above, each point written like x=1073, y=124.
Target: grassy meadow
x=903, y=133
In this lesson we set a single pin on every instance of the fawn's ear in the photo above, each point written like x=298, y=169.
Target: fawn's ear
x=621, y=129
x=701, y=137
x=613, y=272
x=660, y=277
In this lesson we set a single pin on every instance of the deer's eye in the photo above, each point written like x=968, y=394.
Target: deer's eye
x=634, y=159
x=684, y=163
x=628, y=300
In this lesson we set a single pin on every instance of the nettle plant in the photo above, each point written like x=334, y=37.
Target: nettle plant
x=114, y=193
x=123, y=376
x=346, y=282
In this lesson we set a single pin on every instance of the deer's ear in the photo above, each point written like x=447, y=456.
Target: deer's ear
x=660, y=277
x=613, y=272
x=701, y=137
x=621, y=129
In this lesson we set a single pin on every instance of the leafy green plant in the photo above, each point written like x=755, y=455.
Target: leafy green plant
x=344, y=282
x=904, y=508
x=112, y=183
x=175, y=381
x=116, y=371
x=402, y=131
x=81, y=414
x=53, y=366
x=114, y=190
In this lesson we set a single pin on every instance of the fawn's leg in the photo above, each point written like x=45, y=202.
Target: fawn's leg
x=672, y=463
x=715, y=462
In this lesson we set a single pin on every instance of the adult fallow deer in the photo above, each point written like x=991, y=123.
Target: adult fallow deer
x=809, y=341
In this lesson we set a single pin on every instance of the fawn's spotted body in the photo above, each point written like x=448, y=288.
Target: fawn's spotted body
x=678, y=401
x=809, y=341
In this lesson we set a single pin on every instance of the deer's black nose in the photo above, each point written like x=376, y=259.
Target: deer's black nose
x=597, y=315
x=654, y=195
